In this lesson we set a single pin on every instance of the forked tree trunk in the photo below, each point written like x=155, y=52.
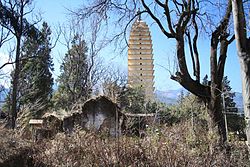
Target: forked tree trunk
x=210, y=94
x=243, y=49
x=217, y=124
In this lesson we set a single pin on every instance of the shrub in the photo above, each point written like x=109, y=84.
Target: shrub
x=177, y=145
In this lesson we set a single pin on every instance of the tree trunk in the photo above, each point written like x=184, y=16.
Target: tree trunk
x=245, y=78
x=215, y=112
x=15, y=85
x=215, y=103
x=210, y=94
x=242, y=44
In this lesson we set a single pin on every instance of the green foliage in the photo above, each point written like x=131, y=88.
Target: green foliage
x=7, y=104
x=166, y=115
x=35, y=76
x=132, y=100
x=74, y=80
x=228, y=95
x=152, y=107
x=235, y=121
x=189, y=108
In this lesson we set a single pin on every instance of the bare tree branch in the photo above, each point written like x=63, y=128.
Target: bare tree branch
x=191, y=52
x=169, y=35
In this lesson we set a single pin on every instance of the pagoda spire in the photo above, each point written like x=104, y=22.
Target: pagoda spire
x=139, y=14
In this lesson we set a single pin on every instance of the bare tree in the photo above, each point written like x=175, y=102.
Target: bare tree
x=12, y=18
x=4, y=36
x=114, y=82
x=243, y=48
x=81, y=67
x=179, y=20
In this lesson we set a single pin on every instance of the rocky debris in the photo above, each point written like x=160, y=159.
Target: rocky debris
x=74, y=120
x=52, y=125
x=97, y=115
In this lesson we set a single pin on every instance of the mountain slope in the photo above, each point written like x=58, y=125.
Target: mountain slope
x=170, y=97
x=238, y=99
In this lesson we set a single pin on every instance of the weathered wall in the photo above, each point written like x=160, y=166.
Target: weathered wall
x=99, y=114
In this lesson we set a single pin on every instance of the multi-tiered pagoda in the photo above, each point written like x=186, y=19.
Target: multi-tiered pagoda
x=140, y=58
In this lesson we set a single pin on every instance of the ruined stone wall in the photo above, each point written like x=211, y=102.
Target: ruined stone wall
x=98, y=115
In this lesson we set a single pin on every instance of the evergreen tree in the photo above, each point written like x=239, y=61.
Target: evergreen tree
x=35, y=76
x=229, y=95
x=235, y=121
x=74, y=79
x=181, y=97
x=205, y=80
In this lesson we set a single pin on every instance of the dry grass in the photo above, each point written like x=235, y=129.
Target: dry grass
x=168, y=146
x=14, y=150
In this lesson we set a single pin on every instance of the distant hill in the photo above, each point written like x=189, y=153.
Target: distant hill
x=238, y=99
x=171, y=97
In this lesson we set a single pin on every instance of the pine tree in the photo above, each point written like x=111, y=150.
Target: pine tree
x=205, y=80
x=35, y=76
x=73, y=82
x=235, y=121
x=229, y=95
